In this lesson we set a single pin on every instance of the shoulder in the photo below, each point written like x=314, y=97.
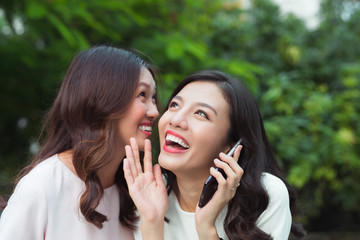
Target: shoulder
x=41, y=173
x=275, y=188
x=29, y=195
x=43, y=168
x=40, y=179
x=29, y=201
x=276, y=219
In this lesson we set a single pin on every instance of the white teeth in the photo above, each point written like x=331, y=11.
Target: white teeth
x=145, y=128
x=177, y=140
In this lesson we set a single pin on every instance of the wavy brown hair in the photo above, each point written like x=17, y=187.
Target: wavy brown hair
x=251, y=199
x=97, y=89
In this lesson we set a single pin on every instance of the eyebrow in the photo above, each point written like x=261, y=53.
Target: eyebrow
x=199, y=104
x=145, y=85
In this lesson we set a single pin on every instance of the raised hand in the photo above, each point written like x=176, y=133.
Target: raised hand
x=205, y=217
x=146, y=187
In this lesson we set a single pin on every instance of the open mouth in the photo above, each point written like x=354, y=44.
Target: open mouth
x=145, y=128
x=176, y=142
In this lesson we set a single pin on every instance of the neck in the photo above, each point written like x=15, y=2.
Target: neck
x=67, y=158
x=188, y=192
x=106, y=174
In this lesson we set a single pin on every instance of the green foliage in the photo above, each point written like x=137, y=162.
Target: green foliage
x=305, y=81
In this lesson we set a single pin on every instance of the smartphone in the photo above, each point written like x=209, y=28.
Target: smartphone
x=211, y=184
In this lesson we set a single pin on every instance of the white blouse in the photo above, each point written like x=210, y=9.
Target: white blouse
x=275, y=220
x=45, y=205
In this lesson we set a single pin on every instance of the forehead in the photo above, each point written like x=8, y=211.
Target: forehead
x=204, y=92
x=146, y=79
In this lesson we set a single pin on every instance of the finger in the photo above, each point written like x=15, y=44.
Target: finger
x=127, y=173
x=218, y=176
x=225, y=166
x=130, y=159
x=148, y=157
x=135, y=149
x=237, y=152
x=158, y=176
x=233, y=161
x=226, y=187
x=233, y=171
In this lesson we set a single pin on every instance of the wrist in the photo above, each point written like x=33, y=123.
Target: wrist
x=206, y=233
x=153, y=230
x=151, y=217
x=152, y=222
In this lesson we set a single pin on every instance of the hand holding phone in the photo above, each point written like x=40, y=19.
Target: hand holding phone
x=211, y=184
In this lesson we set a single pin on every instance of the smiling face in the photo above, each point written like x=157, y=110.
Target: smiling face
x=138, y=119
x=194, y=129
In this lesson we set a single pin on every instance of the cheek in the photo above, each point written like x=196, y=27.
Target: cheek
x=162, y=123
x=137, y=110
x=213, y=140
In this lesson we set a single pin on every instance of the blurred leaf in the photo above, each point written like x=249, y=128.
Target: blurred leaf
x=174, y=49
x=35, y=10
x=63, y=30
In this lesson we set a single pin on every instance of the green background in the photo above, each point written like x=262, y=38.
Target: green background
x=306, y=81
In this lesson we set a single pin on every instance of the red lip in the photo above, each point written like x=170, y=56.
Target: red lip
x=148, y=134
x=148, y=123
x=176, y=135
x=171, y=149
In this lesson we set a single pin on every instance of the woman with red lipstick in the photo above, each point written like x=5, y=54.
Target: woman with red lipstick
x=207, y=113
x=76, y=180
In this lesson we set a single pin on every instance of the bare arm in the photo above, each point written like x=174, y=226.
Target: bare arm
x=147, y=189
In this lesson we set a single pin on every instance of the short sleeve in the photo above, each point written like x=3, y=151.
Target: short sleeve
x=276, y=219
x=25, y=215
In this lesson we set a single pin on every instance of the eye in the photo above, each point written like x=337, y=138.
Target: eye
x=203, y=114
x=142, y=94
x=173, y=105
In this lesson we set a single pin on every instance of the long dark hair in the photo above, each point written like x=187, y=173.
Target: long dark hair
x=97, y=89
x=257, y=157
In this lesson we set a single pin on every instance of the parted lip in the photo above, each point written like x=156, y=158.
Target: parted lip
x=169, y=132
x=146, y=128
x=147, y=123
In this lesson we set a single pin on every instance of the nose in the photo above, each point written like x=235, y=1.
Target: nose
x=178, y=119
x=152, y=111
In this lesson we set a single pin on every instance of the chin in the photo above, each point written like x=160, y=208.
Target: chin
x=171, y=163
x=160, y=159
x=164, y=161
